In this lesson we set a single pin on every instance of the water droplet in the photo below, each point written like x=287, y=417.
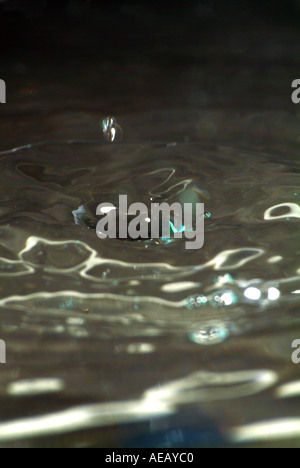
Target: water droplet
x=209, y=334
x=111, y=130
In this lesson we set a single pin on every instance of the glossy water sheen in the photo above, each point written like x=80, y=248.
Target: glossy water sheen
x=116, y=343
x=186, y=347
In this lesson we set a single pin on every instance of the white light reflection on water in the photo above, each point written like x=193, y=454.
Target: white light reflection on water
x=145, y=291
x=254, y=294
x=162, y=400
x=267, y=431
x=273, y=294
x=42, y=253
x=35, y=387
x=288, y=390
x=82, y=417
x=293, y=211
x=224, y=260
x=180, y=286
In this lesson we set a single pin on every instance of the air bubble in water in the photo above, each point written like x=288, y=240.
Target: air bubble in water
x=194, y=302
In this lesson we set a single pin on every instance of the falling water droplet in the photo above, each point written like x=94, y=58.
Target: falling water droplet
x=111, y=130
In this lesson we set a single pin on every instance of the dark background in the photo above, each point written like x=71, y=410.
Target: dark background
x=22, y=21
x=119, y=58
x=207, y=8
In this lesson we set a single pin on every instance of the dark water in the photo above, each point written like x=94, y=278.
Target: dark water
x=114, y=343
